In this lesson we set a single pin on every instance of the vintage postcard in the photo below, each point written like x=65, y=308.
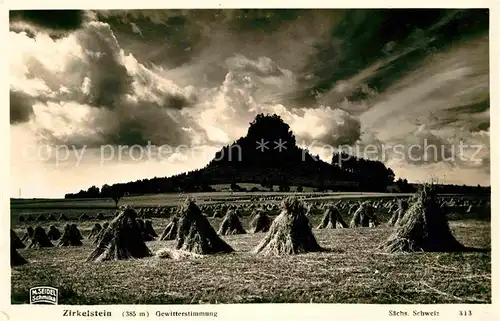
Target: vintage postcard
x=264, y=163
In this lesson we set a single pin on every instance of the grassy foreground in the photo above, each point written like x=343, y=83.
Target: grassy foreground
x=354, y=272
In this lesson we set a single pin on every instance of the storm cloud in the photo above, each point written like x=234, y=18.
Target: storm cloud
x=56, y=23
x=198, y=77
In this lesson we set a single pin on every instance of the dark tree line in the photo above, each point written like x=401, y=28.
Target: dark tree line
x=372, y=175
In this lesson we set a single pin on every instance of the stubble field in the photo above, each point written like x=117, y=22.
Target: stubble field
x=353, y=271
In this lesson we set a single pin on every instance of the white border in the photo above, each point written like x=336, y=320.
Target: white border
x=260, y=311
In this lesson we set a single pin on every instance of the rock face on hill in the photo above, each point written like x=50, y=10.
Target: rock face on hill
x=269, y=152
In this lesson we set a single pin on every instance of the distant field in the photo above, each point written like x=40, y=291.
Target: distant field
x=92, y=206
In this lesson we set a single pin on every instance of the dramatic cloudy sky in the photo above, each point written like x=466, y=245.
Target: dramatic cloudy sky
x=91, y=81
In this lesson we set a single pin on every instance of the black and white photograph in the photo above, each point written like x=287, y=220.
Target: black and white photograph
x=232, y=156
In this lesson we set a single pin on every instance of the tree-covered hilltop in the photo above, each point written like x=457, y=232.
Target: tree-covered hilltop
x=267, y=155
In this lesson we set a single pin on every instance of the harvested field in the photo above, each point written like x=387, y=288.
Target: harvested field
x=355, y=272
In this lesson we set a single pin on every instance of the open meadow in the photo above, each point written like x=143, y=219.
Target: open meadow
x=353, y=270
